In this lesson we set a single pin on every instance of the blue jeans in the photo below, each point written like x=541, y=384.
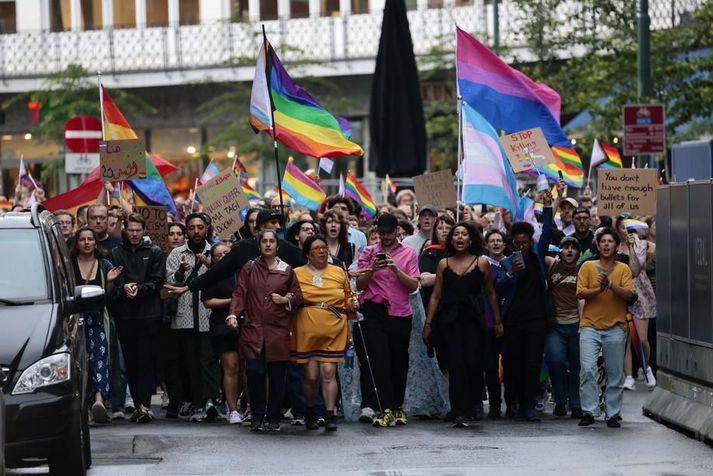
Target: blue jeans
x=612, y=343
x=562, y=356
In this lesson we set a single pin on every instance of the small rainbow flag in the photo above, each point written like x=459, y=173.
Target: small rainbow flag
x=568, y=162
x=354, y=189
x=303, y=190
x=390, y=186
x=605, y=156
x=115, y=125
x=251, y=193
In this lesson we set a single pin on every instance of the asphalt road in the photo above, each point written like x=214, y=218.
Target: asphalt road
x=640, y=447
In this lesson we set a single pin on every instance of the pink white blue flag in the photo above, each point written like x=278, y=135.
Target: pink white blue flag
x=209, y=172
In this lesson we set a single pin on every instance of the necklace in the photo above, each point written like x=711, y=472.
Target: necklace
x=87, y=276
x=316, y=275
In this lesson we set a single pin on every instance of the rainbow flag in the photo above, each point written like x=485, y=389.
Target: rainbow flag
x=390, y=186
x=568, y=162
x=354, y=189
x=114, y=123
x=303, y=190
x=301, y=123
x=605, y=156
x=240, y=171
x=251, y=193
x=209, y=172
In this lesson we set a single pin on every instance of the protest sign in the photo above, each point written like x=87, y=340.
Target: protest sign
x=626, y=191
x=122, y=159
x=223, y=198
x=156, y=225
x=436, y=188
x=524, y=147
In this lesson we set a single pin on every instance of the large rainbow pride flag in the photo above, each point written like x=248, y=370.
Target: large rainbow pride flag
x=301, y=123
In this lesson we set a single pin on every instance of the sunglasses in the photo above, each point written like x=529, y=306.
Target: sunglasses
x=318, y=249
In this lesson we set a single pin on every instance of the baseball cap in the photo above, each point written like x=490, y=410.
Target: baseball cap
x=266, y=215
x=571, y=201
x=387, y=223
x=429, y=208
x=570, y=240
x=579, y=210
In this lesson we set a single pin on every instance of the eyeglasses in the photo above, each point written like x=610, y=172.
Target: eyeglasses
x=582, y=218
x=319, y=249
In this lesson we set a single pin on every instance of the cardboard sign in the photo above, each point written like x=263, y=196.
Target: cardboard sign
x=436, y=188
x=156, y=225
x=223, y=198
x=626, y=191
x=521, y=146
x=122, y=159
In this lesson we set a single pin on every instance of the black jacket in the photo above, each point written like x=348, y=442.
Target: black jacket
x=233, y=262
x=145, y=266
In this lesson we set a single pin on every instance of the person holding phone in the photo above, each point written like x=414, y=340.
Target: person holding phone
x=526, y=308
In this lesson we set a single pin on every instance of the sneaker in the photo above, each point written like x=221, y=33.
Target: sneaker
x=288, y=415
x=321, y=421
x=164, y=401
x=143, y=416
x=586, y=420
x=331, y=423
x=199, y=415
x=650, y=379
x=629, y=383
x=256, y=425
x=211, y=412
x=540, y=406
x=531, y=415
x=400, y=416
x=367, y=415
x=311, y=419
x=234, y=418
x=129, y=405
x=273, y=426
x=576, y=413
x=186, y=411
x=298, y=421
x=613, y=422
x=560, y=410
x=99, y=413
x=118, y=415
x=134, y=416
x=460, y=422
x=386, y=419
x=247, y=417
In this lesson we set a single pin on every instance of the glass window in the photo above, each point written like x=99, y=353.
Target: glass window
x=299, y=8
x=435, y=3
x=125, y=13
x=157, y=13
x=268, y=9
x=21, y=249
x=329, y=8
x=7, y=18
x=60, y=15
x=239, y=10
x=91, y=14
x=188, y=13
x=360, y=6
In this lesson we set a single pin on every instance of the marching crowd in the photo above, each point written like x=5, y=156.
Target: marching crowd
x=267, y=326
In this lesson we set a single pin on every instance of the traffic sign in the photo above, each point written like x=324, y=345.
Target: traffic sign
x=82, y=134
x=644, y=129
x=78, y=163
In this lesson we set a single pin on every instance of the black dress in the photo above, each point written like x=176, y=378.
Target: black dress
x=224, y=338
x=459, y=329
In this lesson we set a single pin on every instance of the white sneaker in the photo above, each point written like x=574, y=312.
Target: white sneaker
x=118, y=415
x=235, y=418
x=629, y=383
x=367, y=415
x=298, y=422
x=650, y=379
x=198, y=415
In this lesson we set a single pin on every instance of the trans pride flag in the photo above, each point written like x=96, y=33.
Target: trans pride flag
x=487, y=175
x=504, y=96
x=301, y=123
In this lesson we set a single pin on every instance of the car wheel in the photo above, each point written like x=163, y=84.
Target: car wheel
x=71, y=457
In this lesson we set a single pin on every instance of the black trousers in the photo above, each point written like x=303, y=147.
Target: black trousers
x=523, y=356
x=493, y=351
x=138, y=339
x=465, y=350
x=386, y=339
x=276, y=380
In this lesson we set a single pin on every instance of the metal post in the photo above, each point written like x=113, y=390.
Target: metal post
x=645, y=89
x=496, y=24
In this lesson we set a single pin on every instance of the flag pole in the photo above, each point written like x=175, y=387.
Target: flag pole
x=101, y=116
x=268, y=66
x=459, y=172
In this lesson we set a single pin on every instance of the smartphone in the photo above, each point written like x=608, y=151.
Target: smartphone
x=559, y=172
x=517, y=255
x=380, y=256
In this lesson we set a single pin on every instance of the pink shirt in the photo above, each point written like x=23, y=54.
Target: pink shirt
x=384, y=286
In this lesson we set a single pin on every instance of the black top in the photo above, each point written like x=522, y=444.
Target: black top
x=586, y=242
x=97, y=281
x=528, y=305
x=221, y=290
x=428, y=263
x=146, y=266
x=460, y=295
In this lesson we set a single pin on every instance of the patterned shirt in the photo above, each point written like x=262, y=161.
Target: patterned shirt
x=184, y=318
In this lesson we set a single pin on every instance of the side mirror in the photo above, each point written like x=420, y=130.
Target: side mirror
x=87, y=298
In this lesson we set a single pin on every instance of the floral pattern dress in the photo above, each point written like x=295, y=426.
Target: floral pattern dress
x=645, y=306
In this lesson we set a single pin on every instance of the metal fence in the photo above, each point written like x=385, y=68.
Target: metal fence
x=318, y=39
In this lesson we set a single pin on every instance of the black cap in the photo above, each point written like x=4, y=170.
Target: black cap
x=579, y=210
x=266, y=215
x=429, y=208
x=387, y=223
x=571, y=240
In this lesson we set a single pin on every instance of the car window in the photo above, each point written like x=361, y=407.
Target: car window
x=23, y=276
x=60, y=256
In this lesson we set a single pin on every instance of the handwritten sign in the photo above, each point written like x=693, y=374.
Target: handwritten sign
x=122, y=159
x=156, y=225
x=223, y=198
x=626, y=191
x=436, y=188
x=520, y=146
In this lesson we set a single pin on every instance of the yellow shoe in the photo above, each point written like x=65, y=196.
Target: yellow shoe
x=385, y=419
x=400, y=416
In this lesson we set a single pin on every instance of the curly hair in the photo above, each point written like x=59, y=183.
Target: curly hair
x=522, y=227
x=476, y=245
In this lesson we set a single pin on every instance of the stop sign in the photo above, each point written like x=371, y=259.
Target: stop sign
x=82, y=134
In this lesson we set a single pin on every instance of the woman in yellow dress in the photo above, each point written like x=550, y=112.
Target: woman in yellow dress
x=320, y=332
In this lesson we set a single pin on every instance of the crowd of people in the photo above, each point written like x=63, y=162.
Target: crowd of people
x=442, y=310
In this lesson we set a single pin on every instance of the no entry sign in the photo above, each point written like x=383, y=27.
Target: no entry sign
x=82, y=134
x=644, y=129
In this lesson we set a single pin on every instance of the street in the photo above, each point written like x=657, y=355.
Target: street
x=640, y=447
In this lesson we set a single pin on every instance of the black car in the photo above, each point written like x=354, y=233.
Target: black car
x=42, y=347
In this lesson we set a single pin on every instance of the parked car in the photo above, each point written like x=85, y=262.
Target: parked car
x=42, y=346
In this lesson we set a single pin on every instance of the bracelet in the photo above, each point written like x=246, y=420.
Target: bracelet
x=229, y=318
